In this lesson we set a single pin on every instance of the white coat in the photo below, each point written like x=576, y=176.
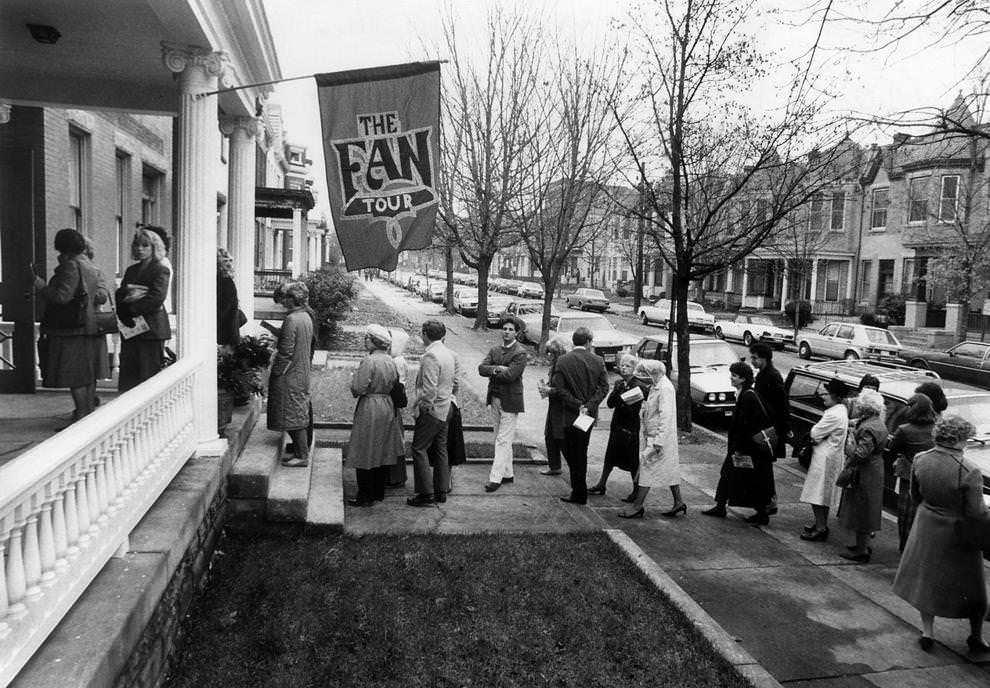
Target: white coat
x=827, y=458
x=658, y=428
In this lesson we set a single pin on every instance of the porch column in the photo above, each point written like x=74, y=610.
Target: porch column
x=240, y=203
x=744, y=292
x=198, y=149
x=814, y=282
x=298, y=243
x=784, y=284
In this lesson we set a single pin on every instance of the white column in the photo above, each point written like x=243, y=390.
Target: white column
x=814, y=280
x=240, y=204
x=783, y=285
x=744, y=292
x=198, y=148
x=298, y=243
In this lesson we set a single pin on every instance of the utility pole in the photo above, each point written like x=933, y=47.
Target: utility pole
x=640, y=230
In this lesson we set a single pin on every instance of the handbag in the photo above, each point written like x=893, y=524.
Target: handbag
x=398, y=394
x=971, y=533
x=68, y=316
x=106, y=321
x=803, y=451
x=848, y=477
x=766, y=440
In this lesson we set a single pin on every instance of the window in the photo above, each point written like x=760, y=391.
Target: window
x=151, y=182
x=918, y=199
x=948, y=198
x=77, y=180
x=817, y=215
x=881, y=200
x=865, y=269
x=832, y=279
x=845, y=332
x=122, y=176
x=838, y=217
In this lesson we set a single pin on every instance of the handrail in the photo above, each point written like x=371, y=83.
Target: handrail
x=68, y=504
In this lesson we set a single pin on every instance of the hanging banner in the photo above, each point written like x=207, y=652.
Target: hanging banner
x=381, y=130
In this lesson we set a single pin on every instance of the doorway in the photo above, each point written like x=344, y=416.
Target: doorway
x=17, y=241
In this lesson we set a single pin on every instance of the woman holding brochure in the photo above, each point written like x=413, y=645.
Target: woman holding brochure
x=140, y=299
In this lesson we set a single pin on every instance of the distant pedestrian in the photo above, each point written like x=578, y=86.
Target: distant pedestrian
x=622, y=450
x=504, y=366
x=913, y=436
x=936, y=575
x=829, y=438
x=861, y=505
x=553, y=429
x=746, y=478
x=431, y=407
x=289, y=408
x=659, y=456
x=581, y=383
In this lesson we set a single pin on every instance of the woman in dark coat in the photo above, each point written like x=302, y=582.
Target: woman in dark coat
x=747, y=474
x=553, y=429
x=937, y=576
x=913, y=436
x=228, y=313
x=73, y=354
x=288, y=385
x=861, y=504
x=622, y=450
x=141, y=295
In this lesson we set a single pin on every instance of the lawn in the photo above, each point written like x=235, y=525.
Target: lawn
x=285, y=610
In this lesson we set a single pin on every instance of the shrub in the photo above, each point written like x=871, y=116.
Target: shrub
x=621, y=291
x=330, y=294
x=803, y=309
x=892, y=305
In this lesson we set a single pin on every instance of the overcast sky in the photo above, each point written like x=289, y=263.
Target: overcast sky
x=315, y=36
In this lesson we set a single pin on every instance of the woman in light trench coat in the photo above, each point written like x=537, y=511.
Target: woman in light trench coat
x=827, y=457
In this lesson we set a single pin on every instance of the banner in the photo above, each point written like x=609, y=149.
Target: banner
x=381, y=130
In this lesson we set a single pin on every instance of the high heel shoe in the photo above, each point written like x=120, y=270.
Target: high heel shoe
x=976, y=644
x=635, y=514
x=681, y=509
x=631, y=498
x=596, y=490
x=815, y=535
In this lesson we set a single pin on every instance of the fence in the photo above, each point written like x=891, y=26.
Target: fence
x=68, y=504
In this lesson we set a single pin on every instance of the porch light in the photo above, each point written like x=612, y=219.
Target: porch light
x=43, y=33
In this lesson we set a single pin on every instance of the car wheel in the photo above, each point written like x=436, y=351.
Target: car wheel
x=719, y=333
x=851, y=356
x=643, y=319
x=804, y=351
x=580, y=306
x=919, y=363
x=747, y=339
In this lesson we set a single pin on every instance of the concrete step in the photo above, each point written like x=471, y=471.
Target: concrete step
x=325, y=504
x=250, y=476
x=478, y=444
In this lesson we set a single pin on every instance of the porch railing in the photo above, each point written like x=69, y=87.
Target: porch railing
x=68, y=504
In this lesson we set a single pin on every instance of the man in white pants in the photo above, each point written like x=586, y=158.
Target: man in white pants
x=503, y=366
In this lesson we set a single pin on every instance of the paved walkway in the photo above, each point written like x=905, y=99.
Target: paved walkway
x=807, y=616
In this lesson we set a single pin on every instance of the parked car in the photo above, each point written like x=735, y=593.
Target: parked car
x=805, y=383
x=531, y=315
x=607, y=341
x=510, y=286
x=712, y=393
x=587, y=299
x=753, y=327
x=967, y=362
x=465, y=301
x=438, y=291
x=659, y=312
x=496, y=304
x=850, y=341
x=531, y=290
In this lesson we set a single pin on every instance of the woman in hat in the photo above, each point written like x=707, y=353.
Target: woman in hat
x=829, y=438
x=376, y=442
x=288, y=385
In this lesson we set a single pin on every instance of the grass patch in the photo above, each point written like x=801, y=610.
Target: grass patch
x=290, y=610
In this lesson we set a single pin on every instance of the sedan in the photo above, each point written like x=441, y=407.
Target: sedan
x=753, y=327
x=850, y=341
x=588, y=299
x=531, y=290
x=465, y=301
x=496, y=304
x=967, y=362
x=660, y=312
x=712, y=393
x=531, y=315
x=607, y=341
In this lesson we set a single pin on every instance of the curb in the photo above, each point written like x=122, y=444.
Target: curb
x=721, y=640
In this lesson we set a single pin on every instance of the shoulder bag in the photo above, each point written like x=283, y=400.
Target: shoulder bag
x=803, y=450
x=398, y=394
x=971, y=533
x=106, y=321
x=765, y=440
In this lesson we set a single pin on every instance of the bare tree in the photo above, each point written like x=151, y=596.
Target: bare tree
x=482, y=146
x=709, y=160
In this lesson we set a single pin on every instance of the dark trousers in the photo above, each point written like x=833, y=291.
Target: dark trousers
x=430, y=438
x=371, y=483
x=555, y=449
x=576, y=454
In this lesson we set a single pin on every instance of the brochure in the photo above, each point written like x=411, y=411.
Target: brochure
x=140, y=326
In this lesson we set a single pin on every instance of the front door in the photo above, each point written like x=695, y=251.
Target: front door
x=16, y=273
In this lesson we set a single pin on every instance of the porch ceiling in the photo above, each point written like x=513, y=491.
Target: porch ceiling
x=109, y=55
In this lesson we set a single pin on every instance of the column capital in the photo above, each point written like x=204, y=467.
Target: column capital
x=178, y=58
x=250, y=125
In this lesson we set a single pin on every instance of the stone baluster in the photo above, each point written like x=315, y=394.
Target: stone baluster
x=82, y=506
x=93, y=497
x=46, y=542
x=60, y=536
x=71, y=516
x=16, y=580
x=4, y=599
x=100, y=480
x=32, y=555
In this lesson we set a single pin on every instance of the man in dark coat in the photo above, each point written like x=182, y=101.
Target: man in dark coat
x=769, y=385
x=503, y=366
x=581, y=384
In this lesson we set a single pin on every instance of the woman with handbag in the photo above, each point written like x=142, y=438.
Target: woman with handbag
x=375, y=441
x=72, y=352
x=141, y=296
x=622, y=450
x=746, y=478
x=861, y=505
x=828, y=436
x=937, y=575
x=914, y=435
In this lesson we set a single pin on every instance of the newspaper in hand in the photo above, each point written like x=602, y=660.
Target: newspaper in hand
x=140, y=326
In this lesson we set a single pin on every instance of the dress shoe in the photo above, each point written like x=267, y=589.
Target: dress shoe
x=810, y=529
x=852, y=548
x=491, y=487
x=758, y=519
x=573, y=500
x=815, y=535
x=596, y=490
x=551, y=471
x=508, y=481
x=635, y=514
x=681, y=509
x=440, y=497
x=976, y=644
x=295, y=462
x=360, y=502
x=926, y=643
x=718, y=511
x=420, y=500
x=631, y=498
x=771, y=510
x=858, y=558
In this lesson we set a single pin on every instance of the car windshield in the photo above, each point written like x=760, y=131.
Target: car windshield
x=975, y=409
x=762, y=320
x=593, y=293
x=712, y=353
x=592, y=322
x=878, y=336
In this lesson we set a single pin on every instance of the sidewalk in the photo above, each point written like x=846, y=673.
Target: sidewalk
x=804, y=614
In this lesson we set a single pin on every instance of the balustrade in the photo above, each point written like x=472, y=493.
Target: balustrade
x=68, y=504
